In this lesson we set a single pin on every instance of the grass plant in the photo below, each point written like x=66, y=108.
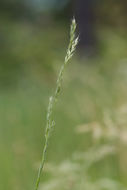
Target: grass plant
x=52, y=100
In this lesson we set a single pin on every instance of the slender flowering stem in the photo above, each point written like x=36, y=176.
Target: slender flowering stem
x=50, y=122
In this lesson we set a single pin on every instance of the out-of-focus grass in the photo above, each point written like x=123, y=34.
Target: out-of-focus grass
x=30, y=59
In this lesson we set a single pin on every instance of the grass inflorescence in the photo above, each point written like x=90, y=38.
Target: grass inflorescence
x=52, y=100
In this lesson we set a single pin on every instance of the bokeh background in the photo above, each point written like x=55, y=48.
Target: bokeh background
x=88, y=147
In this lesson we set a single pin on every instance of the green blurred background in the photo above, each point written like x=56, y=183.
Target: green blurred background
x=91, y=115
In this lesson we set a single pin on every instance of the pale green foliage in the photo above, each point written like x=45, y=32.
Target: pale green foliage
x=50, y=123
x=73, y=174
x=112, y=130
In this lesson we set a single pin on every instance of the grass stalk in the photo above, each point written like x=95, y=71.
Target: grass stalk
x=52, y=100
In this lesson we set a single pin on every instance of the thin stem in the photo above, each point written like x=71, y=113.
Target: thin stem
x=50, y=123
